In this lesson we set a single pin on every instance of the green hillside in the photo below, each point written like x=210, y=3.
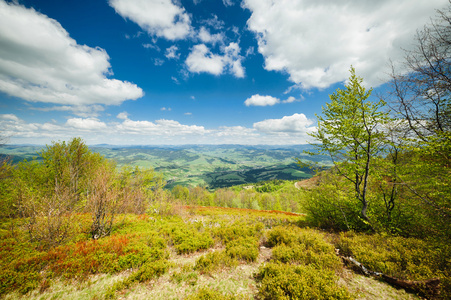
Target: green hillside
x=205, y=165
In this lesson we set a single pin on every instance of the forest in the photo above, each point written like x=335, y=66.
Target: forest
x=375, y=225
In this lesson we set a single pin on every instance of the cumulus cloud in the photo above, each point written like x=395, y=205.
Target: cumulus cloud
x=288, y=130
x=297, y=123
x=206, y=37
x=161, y=18
x=40, y=62
x=258, y=100
x=86, y=124
x=202, y=60
x=160, y=128
x=316, y=42
x=123, y=115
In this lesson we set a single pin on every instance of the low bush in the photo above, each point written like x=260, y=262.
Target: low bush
x=150, y=270
x=213, y=261
x=209, y=294
x=227, y=233
x=282, y=235
x=301, y=254
x=405, y=258
x=282, y=281
x=244, y=248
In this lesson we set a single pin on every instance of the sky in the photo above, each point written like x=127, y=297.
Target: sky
x=170, y=72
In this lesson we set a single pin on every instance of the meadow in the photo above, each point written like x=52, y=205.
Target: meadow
x=75, y=226
x=192, y=252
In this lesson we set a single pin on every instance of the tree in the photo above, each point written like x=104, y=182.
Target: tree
x=421, y=97
x=350, y=132
x=49, y=193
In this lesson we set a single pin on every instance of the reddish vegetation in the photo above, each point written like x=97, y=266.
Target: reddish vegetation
x=308, y=183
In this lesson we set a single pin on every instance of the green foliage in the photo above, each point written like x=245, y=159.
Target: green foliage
x=213, y=261
x=244, y=248
x=150, y=270
x=209, y=294
x=350, y=133
x=281, y=281
x=293, y=245
x=283, y=235
x=332, y=205
x=405, y=258
x=239, y=229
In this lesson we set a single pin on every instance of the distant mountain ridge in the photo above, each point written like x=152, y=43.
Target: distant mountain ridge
x=212, y=166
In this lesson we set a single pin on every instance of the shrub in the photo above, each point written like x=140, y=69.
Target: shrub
x=150, y=270
x=209, y=294
x=405, y=258
x=239, y=229
x=244, y=248
x=212, y=261
x=282, y=235
x=281, y=281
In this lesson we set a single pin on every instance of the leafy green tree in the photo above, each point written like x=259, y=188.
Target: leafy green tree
x=351, y=133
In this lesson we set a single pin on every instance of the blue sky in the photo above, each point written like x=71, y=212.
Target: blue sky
x=190, y=72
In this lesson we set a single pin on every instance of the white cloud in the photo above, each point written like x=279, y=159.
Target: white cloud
x=40, y=62
x=290, y=99
x=176, y=81
x=288, y=130
x=159, y=128
x=84, y=111
x=158, y=61
x=188, y=114
x=86, y=124
x=228, y=2
x=316, y=42
x=297, y=123
x=9, y=117
x=233, y=59
x=258, y=100
x=161, y=18
x=202, y=60
x=214, y=22
x=171, y=52
x=152, y=46
x=206, y=37
x=250, y=51
x=165, y=109
x=123, y=115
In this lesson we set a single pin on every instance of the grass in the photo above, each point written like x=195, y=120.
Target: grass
x=200, y=253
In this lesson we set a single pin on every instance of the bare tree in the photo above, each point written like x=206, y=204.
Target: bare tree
x=422, y=93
